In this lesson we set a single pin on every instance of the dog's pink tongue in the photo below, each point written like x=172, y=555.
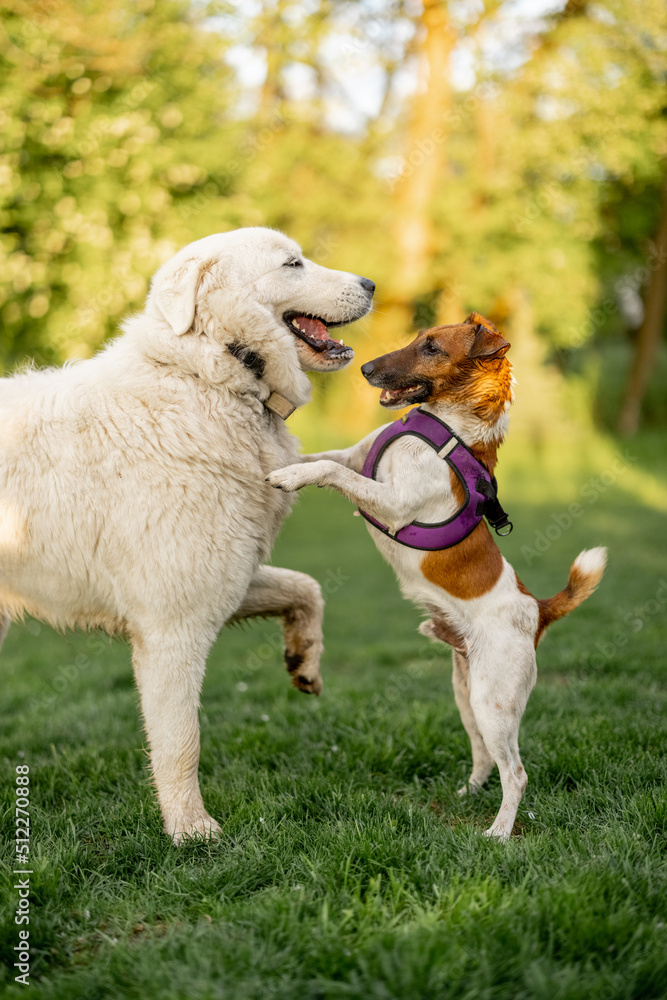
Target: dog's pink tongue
x=314, y=329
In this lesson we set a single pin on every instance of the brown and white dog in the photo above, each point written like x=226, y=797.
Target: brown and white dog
x=477, y=603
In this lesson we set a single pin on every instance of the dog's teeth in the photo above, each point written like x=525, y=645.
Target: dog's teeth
x=295, y=324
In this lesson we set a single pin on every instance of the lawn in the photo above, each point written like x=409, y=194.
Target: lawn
x=348, y=866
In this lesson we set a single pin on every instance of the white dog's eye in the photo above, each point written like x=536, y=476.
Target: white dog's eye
x=293, y=263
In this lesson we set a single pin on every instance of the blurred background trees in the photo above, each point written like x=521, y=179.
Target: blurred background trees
x=507, y=157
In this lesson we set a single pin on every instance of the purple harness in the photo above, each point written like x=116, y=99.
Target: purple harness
x=481, y=489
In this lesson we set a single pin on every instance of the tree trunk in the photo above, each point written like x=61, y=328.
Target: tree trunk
x=649, y=334
x=270, y=35
x=424, y=155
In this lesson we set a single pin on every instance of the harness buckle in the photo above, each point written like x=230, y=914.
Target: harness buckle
x=491, y=509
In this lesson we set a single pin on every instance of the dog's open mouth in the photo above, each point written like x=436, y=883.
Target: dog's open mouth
x=405, y=395
x=314, y=331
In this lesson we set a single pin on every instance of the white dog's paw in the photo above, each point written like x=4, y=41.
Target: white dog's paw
x=194, y=828
x=304, y=666
x=308, y=680
x=291, y=478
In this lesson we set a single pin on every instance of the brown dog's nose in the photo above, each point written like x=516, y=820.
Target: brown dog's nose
x=368, y=369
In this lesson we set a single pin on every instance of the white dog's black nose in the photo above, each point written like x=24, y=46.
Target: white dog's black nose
x=367, y=284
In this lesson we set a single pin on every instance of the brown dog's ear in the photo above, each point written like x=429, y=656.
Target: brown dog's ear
x=488, y=343
x=476, y=319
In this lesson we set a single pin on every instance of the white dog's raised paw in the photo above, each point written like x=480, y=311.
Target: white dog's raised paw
x=306, y=677
x=309, y=685
x=202, y=828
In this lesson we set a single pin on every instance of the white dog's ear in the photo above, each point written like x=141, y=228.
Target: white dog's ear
x=174, y=291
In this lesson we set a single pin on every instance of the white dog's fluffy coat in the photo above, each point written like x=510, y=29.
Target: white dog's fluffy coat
x=132, y=485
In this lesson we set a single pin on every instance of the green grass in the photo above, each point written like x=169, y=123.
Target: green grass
x=348, y=867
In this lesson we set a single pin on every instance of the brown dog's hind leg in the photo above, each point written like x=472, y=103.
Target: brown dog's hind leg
x=440, y=630
x=482, y=762
x=500, y=682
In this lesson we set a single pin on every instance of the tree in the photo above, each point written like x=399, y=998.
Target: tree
x=114, y=116
x=530, y=188
x=650, y=332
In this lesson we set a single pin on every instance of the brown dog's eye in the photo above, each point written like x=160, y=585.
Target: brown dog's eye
x=431, y=349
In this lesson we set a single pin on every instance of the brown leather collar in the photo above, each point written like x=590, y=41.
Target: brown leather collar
x=280, y=405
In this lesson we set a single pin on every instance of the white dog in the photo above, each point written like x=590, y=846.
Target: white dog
x=132, y=485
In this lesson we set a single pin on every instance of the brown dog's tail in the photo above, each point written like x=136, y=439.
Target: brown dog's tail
x=585, y=574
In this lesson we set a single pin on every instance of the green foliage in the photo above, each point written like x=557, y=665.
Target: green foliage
x=113, y=116
x=126, y=133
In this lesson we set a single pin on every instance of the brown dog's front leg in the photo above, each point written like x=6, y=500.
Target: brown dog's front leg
x=352, y=458
x=387, y=504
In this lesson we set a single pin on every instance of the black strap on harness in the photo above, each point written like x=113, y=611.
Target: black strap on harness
x=491, y=509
